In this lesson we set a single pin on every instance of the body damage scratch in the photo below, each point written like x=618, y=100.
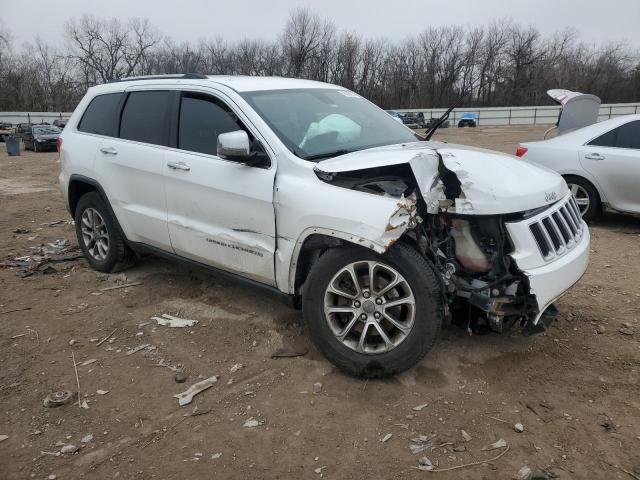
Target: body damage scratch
x=402, y=219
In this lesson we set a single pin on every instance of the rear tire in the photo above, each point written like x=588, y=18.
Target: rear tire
x=409, y=344
x=586, y=196
x=99, y=235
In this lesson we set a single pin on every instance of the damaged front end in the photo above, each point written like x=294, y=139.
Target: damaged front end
x=444, y=211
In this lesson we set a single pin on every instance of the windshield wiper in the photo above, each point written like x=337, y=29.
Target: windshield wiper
x=335, y=153
x=440, y=121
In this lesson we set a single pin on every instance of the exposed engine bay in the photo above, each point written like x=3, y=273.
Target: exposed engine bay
x=481, y=284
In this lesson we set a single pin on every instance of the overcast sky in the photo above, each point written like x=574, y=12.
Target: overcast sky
x=596, y=21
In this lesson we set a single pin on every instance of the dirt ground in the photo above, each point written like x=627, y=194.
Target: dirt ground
x=575, y=389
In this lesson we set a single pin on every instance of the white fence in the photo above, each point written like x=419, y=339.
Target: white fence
x=32, y=117
x=544, y=115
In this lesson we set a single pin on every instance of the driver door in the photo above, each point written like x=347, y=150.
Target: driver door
x=220, y=212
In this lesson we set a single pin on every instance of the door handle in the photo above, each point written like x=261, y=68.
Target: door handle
x=594, y=156
x=178, y=166
x=109, y=151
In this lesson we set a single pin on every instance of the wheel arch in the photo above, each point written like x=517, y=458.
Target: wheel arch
x=601, y=197
x=80, y=185
x=312, y=243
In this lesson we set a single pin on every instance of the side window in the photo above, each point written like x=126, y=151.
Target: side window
x=625, y=136
x=145, y=117
x=606, y=140
x=202, y=119
x=629, y=135
x=101, y=115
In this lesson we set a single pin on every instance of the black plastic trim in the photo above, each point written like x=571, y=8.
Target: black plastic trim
x=90, y=181
x=143, y=248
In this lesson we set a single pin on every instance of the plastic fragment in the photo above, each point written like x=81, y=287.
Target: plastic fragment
x=186, y=397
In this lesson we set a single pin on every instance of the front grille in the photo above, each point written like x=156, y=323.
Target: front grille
x=559, y=230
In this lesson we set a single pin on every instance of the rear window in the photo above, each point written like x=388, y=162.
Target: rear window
x=100, y=117
x=145, y=117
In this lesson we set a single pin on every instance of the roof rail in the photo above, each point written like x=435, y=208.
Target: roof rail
x=181, y=76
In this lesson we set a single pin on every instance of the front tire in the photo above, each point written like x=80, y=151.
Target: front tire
x=586, y=197
x=99, y=236
x=373, y=329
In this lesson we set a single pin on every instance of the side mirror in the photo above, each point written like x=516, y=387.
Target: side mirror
x=234, y=146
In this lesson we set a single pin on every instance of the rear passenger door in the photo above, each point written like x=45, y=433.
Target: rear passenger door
x=131, y=167
x=613, y=159
x=220, y=211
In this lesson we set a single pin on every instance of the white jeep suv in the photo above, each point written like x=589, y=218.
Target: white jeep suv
x=313, y=191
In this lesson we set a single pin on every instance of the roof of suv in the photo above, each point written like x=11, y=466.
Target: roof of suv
x=239, y=83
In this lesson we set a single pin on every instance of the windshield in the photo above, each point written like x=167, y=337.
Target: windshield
x=318, y=123
x=45, y=130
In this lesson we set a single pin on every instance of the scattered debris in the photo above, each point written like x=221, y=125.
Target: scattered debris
x=57, y=399
x=133, y=350
x=386, y=437
x=106, y=338
x=289, y=352
x=235, y=368
x=40, y=257
x=420, y=407
x=124, y=285
x=524, y=473
x=465, y=436
x=174, y=322
x=185, y=397
x=518, y=427
x=497, y=444
x=102, y=392
x=421, y=443
x=88, y=362
x=601, y=329
x=318, y=471
x=84, y=405
x=606, y=423
x=69, y=449
x=251, y=422
x=215, y=456
x=87, y=438
x=542, y=416
x=75, y=367
x=626, y=329
x=22, y=309
x=22, y=230
x=496, y=419
x=180, y=377
x=3, y=438
x=459, y=448
x=317, y=387
x=425, y=464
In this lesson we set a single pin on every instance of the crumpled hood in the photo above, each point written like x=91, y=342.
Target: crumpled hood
x=492, y=183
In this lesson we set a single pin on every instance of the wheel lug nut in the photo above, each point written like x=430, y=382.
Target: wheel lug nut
x=356, y=304
x=378, y=301
x=376, y=315
x=363, y=316
x=366, y=294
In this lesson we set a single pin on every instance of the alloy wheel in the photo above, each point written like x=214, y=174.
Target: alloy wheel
x=369, y=307
x=581, y=197
x=95, y=234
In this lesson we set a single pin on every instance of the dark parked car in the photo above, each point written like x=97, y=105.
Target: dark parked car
x=40, y=138
x=430, y=123
x=412, y=120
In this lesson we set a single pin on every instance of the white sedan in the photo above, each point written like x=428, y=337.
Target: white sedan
x=600, y=163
